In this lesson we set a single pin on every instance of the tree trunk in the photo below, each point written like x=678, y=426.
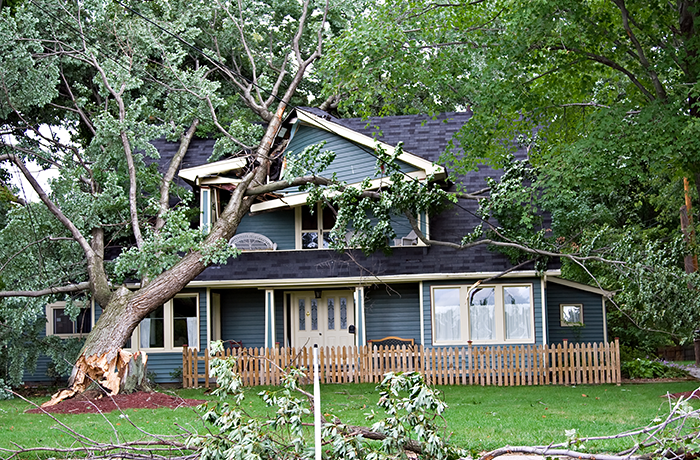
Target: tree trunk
x=102, y=360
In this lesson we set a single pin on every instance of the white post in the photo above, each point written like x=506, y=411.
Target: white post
x=317, y=406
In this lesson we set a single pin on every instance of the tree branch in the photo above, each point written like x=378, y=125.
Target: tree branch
x=658, y=86
x=71, y=288
x=613, y=65
x=169, y=175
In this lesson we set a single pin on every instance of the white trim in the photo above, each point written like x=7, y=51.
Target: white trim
x=543, y=302
x=421, y=309
x=270, y=318
x=605, y=322
x=350, y=134
x=499, y=324
x=210, y=169
x=48, y=311
x=359, y=280
x=217, y=180
x=208, y=321
x=298, y=199
x=580, y=286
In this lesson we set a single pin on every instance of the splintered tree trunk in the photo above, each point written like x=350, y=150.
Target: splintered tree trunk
x=102, y=361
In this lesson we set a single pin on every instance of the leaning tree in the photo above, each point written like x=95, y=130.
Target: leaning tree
x=84, y=88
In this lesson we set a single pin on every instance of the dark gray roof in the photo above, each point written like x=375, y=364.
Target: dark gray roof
x=421, y=135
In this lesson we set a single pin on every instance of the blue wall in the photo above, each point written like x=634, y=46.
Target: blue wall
x=353, y=163
x=243, y=316
x=277, y=225
x=593, y=317
x=392, y=310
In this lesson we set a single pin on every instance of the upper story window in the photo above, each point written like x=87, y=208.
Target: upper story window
x=313, y=230
x=488, y=314
x=59, y=323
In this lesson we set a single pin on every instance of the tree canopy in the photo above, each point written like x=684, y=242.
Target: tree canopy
x=603, y=95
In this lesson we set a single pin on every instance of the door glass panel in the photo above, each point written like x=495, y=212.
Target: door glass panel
x=331, y=314
x=302, y=315
x=343, y=313
x=314, y=315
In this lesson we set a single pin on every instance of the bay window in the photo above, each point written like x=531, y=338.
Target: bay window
x=488, y=314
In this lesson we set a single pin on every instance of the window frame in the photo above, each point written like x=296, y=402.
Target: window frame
x=564, y=323
x=61, y=305
x=298, y=231
x=168, y=329
x=499, y=315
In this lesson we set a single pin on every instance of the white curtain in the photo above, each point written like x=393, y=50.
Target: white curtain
x=192, y=332
x=145, y=334
x=517, y=308
x=517, y=321
x=482, y=314
x=447, y=327
x=482, y=320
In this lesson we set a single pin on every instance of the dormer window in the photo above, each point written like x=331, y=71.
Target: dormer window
x=314, y=229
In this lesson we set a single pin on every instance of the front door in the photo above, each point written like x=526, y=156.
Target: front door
x=323, y=322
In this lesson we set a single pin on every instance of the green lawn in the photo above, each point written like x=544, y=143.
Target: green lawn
x=478, y=418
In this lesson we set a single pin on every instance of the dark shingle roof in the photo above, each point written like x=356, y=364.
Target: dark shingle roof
x=421, y=135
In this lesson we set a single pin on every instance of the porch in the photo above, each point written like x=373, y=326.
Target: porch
x=560, y=364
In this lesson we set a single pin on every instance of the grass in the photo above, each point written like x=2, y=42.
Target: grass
x=478, y=418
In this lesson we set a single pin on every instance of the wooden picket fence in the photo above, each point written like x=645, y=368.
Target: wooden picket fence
x=560, y=364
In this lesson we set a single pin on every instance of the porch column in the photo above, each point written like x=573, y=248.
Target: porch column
x=270, y=318
x=360, y=339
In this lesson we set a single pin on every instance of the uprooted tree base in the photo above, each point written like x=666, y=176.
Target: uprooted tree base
x=121, y=372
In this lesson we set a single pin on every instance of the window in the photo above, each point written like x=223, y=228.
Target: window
x=488, y=314
x=313, y=230
x=571, y=315
x=171, y=326
x=59, y=323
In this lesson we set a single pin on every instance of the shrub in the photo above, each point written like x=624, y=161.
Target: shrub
x=650, y=369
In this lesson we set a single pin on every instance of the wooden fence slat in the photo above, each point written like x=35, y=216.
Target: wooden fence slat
x=510, y=365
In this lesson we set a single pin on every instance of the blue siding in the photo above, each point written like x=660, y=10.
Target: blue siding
x=593, y=317
x=537, y=302
x=279, y=317
x=162, y=364
x=278, y=226
x=243, y=316
x=352, y=163
x=393, y=311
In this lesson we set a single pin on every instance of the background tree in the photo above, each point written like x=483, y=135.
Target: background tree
x=602, y=95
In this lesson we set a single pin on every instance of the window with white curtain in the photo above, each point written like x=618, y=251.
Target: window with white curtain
x=446, y=314
x=171, y=325
x=487, y=314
